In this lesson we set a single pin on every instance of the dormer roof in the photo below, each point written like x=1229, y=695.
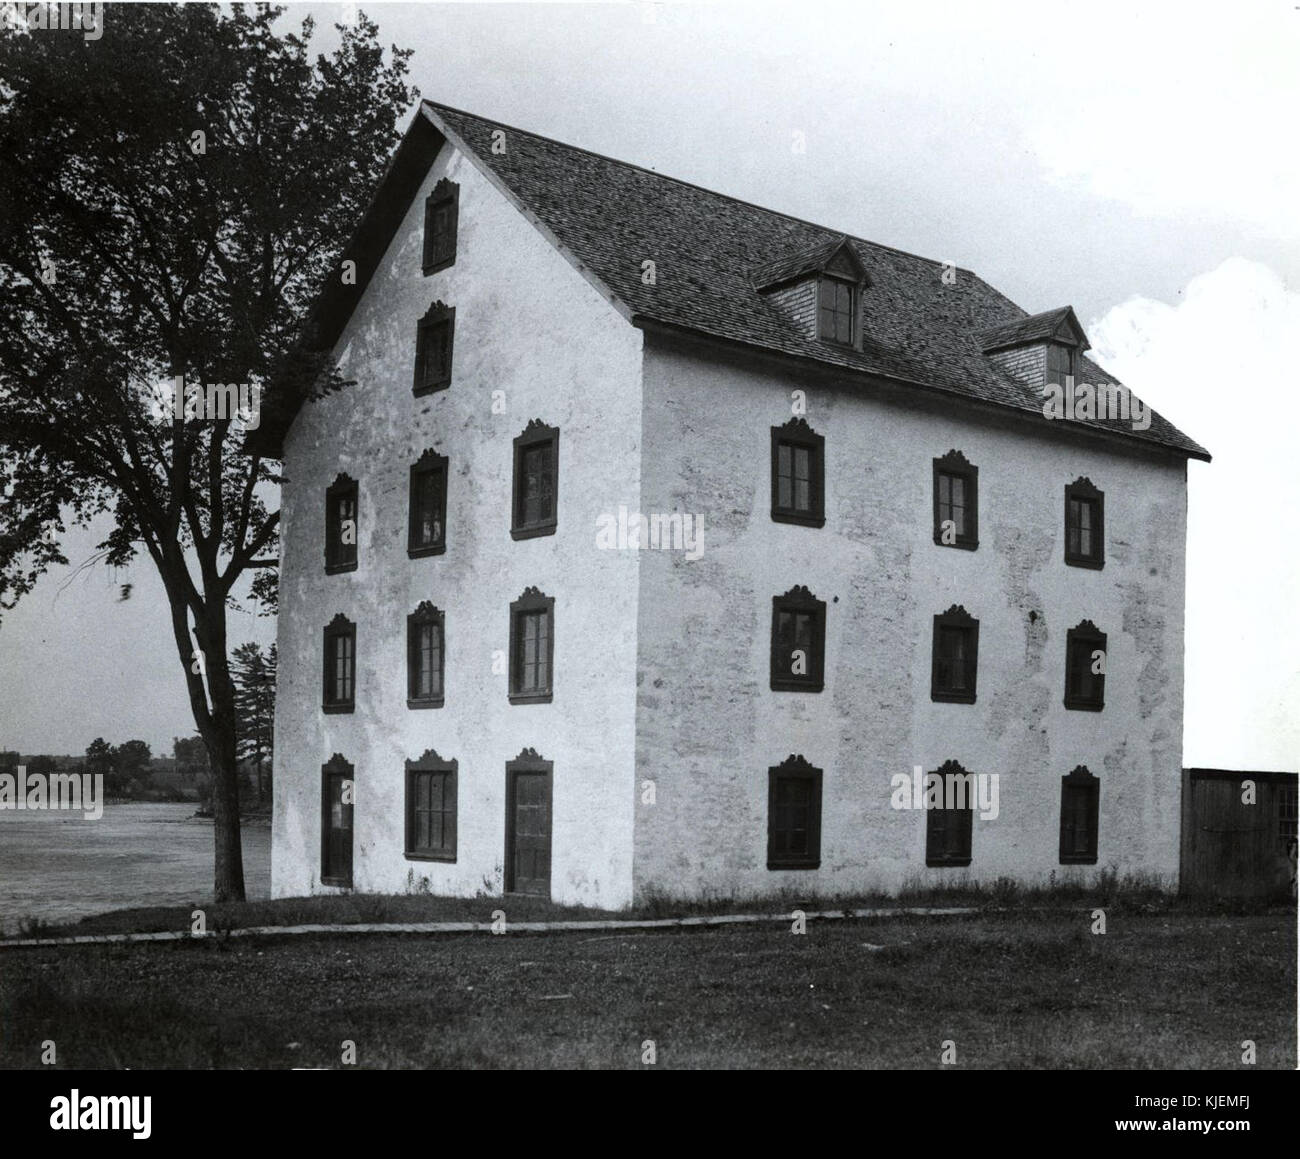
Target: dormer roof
x=836, y=257
x=1060, y=325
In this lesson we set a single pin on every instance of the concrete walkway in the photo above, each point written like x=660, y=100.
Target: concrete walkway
x=506, y=927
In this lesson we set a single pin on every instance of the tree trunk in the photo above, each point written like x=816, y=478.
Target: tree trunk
x=219, y=736
x=228, y=853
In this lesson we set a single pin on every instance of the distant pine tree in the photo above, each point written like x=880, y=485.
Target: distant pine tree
x=254, y=674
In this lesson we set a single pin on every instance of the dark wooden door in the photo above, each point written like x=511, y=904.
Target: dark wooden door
x=336, y=824
x=1230, y=847
x=528, y=832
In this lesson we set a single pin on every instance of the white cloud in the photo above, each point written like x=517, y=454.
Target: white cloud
x=1221, y=365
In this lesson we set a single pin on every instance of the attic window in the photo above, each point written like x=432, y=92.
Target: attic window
x=440, y=210
x=1060, y=363
x=836, y=310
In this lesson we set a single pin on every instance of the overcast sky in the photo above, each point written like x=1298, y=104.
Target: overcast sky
x=1135, y=161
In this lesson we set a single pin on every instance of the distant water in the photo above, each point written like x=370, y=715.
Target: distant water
x=58, y=866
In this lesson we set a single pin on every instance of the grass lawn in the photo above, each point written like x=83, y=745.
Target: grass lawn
x=1017, y=989
x=1128, y=895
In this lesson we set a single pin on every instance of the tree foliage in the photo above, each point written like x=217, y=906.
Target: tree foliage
x=254, y=671
x=131, y=769
x=172, y=197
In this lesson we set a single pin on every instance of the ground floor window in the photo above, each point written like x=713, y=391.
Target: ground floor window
x=948, y=826
x=337, y=795
x=431, y=808
x=1079, y=799
x=794, y=815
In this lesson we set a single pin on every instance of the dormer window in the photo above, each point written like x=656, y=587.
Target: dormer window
x=1060, y=363
x=835, y=310
x=817, y=290
x=1038, y=350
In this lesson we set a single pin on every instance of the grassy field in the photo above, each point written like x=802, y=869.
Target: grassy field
x=1016, y=989
x=1124, y=895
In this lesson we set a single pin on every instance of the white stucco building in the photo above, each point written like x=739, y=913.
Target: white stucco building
x=872, y=553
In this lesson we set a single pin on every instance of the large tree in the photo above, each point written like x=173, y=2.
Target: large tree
x=172, y=197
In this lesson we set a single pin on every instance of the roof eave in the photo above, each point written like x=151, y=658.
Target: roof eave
x=667, y=329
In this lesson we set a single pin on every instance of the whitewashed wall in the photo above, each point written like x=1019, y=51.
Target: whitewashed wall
x=708, y=726
x=526, y=324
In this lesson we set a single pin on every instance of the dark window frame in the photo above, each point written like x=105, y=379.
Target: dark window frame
x=430, y=764
x=429, y=463
x=534, y=435
x=955, y=465
x=948, y=832
x=798, y=601
x=1082, y=491
x=425, y=614
x=339, y=627
x=336, y=765
x=1079, y=782
x=529, y=761
x=839, y=283
x=428, y=380
x=531, y=602
x=794, y=768
x=434, y=257
x=797, y=434
x=339, y=556
x=958, y=619
x=1085, y=639
x=1071, y=360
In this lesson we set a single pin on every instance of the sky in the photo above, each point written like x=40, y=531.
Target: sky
x=1134, y=161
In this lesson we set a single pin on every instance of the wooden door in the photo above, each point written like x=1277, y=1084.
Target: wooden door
x=336, y=827
x=528, y=831
x=1227, y=839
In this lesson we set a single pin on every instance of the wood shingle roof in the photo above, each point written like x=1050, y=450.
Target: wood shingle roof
x=713, y=252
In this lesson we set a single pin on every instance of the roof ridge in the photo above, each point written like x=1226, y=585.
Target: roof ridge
x=692, y=185
x=596, y=209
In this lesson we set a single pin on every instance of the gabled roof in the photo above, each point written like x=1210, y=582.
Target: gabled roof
x=837, y=255
x=607, y=217
x=1052, y=325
